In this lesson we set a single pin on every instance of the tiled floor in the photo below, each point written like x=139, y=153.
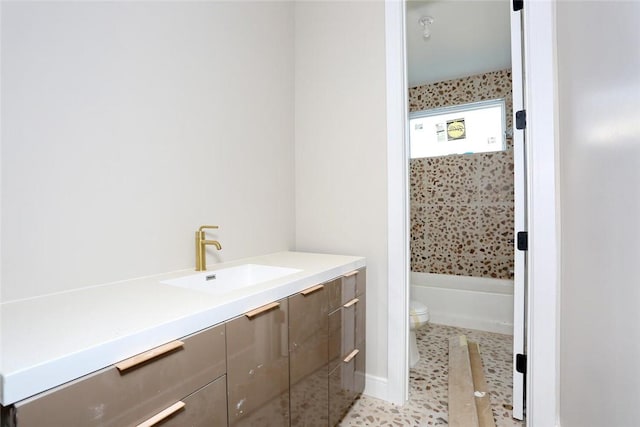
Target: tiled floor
x=428, y=384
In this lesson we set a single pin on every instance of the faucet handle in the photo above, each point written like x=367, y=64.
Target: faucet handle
x=207, y=226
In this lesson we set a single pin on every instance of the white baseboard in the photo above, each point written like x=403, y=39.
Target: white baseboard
x=466, y=302
x=377, y=387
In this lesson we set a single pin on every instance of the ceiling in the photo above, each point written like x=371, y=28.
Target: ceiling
x=467, y=37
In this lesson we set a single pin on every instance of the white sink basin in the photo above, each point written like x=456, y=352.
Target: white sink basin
x=230, y=279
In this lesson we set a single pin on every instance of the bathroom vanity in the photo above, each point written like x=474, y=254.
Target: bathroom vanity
x=277, y=352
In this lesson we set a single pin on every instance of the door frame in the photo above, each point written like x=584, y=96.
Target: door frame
x=544, y=242
x=520, y=216
x=398, y=255
x=543, y=345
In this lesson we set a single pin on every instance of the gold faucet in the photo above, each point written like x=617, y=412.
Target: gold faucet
x=201, y=247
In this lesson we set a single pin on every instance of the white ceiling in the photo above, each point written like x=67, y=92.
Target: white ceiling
x=467, y=37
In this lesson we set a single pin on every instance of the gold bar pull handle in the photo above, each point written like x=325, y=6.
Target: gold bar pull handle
x=351, y=273
x=351, y=355
x=311, y=290
x=166, y=413
x=148, y=355
x=352, y=302
x=253, y=313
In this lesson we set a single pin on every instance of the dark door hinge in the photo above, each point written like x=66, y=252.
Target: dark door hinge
x=521, y=119
x=522, y=241
x=521, y=363
x=518, y=5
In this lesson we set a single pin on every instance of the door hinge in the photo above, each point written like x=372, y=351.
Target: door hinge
x=521, y=363
x=522, y=241
x=518, y=5
x=521, y=119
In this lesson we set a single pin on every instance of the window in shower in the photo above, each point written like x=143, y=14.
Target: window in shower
x=478, y=127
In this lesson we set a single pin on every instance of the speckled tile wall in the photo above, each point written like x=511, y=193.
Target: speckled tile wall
x=462, y=205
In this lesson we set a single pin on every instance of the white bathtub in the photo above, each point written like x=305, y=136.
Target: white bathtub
x=467, y=302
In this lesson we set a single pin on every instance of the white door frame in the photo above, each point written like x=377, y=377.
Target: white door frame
x=543, y=214
x=520, y=215
x=397, y=206
x=540, y=86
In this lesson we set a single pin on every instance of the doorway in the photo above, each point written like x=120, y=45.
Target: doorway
x=538, y=30
x=462, y=205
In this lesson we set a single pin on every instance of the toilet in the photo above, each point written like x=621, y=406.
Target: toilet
x=418, y=317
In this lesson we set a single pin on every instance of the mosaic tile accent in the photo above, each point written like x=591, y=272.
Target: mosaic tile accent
x=429, y=383
x=462, y=205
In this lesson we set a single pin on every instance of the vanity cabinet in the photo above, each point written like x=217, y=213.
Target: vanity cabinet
x=347, y=359
x=258, y=367
x=174, y=382
x=308, y=353
x=299, y=361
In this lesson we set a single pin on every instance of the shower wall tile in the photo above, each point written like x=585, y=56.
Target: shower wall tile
x=452, y=179
x=462, y=205
x=496, y=177
x=418, y=234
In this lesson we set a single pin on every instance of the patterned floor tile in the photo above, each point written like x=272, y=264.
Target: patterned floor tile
x=428, y=383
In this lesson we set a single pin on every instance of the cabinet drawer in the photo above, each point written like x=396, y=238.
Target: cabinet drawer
x=361, y=281
x=342, y=391
x=258, y=367
x=205, y=408
x=361, y=321
x=111, y=397
x=345, y=288
x=308, y=336
x=346, y=330
x=346, y=383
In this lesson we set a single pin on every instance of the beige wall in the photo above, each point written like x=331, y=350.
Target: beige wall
x=340, y=132
x=599, y=172
x=462, y=205
x=126, y=125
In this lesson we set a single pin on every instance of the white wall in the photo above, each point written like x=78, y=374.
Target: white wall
x=126, y=125
x=599, y=107
x=341, y=146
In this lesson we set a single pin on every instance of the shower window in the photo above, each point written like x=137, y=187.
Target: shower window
x=478, y=127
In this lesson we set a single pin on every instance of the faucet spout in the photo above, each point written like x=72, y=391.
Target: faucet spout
x=212, y=242
x=201, y=247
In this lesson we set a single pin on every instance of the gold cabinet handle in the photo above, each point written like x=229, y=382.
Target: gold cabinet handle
x=351, y=355
x=148, y=355
x=253, y=313
x=351, y=273
x=162, y=415
x=311, y=290
x=352, y=302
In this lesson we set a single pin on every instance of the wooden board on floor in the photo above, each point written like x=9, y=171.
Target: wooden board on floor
x=462, y=403
x=483, y=400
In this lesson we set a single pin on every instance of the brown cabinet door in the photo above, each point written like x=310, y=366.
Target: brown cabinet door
x=343, y=387
x=206, y=407
x=361, y=281
x=360, y=336
x=258, y=368
x=111, y=397
x=341, y=391
x=347, y=356
x=308, y=353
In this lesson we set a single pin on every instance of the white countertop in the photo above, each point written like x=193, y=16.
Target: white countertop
x=53, y=339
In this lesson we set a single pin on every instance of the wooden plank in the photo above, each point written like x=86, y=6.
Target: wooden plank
x=483, y=399
x=462, y=403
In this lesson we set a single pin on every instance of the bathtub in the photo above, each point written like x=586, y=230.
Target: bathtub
x=468, y=302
